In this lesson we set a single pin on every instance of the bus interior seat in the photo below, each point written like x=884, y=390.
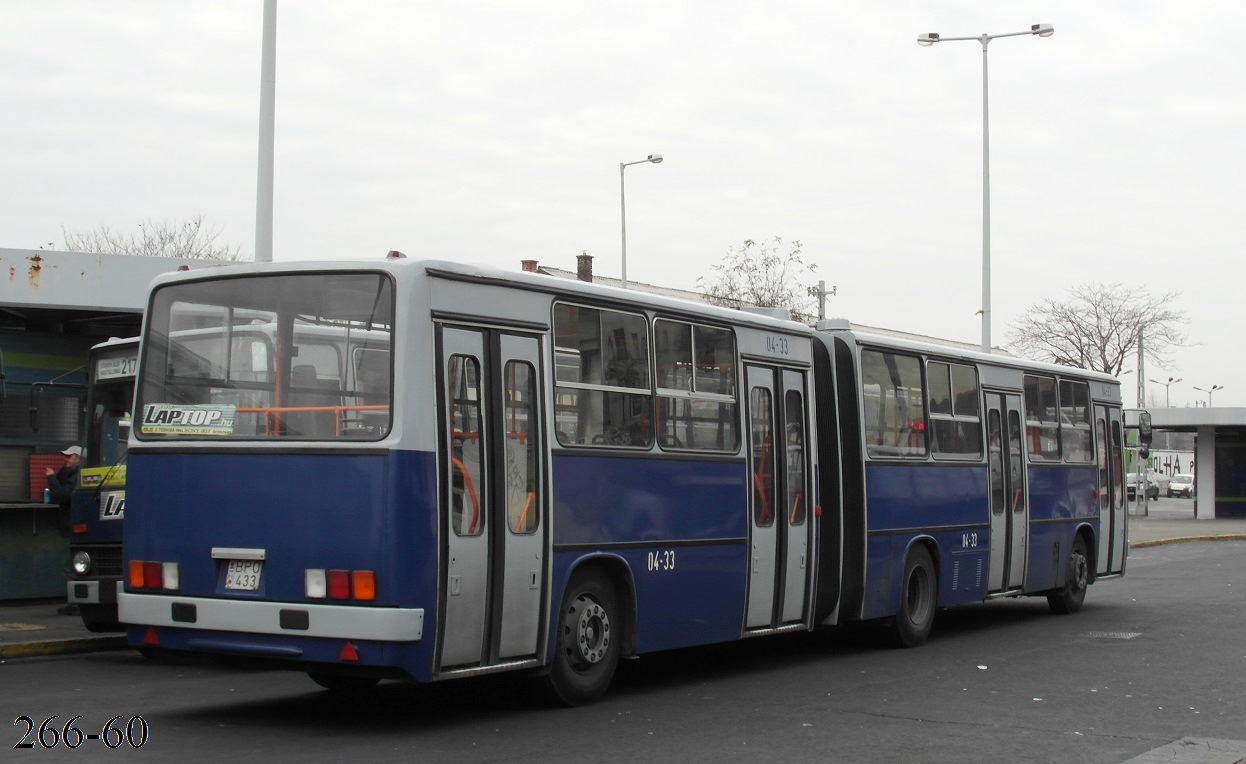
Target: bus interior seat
x=306, y=389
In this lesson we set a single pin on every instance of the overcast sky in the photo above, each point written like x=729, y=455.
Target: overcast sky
x=493, y=131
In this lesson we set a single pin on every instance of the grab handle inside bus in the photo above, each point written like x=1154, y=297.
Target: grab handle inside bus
x=523, y=516
x=471, y=492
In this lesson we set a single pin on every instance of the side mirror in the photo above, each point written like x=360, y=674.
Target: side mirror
x=1145, y=434
x=1144, y=452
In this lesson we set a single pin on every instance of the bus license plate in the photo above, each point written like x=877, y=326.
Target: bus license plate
x=243, y=575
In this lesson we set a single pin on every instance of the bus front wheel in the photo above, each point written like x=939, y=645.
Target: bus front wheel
x=918, y=599
x=588, y=642
x=1076, y=579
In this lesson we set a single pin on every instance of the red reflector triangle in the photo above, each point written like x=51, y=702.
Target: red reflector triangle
x=348, y=653
x=150, y=638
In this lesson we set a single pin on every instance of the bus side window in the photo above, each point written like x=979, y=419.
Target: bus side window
x=520, y=418
x=466, y=446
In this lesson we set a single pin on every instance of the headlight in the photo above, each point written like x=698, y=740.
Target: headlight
x=82, y=563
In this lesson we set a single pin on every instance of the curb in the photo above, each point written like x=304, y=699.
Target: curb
x=1184, y=539
x=63, y=646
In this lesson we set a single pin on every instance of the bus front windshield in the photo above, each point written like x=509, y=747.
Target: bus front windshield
x=295, y=356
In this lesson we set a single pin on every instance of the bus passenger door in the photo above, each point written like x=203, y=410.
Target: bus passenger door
x=1008, y=495
x=1110, y=556
x=493, y=502
x=779, y=516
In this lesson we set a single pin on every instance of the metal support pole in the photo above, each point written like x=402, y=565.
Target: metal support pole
x=264, y=182
x=623, y=221
x=986, y=206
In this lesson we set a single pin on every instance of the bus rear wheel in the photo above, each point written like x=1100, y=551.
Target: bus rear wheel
x=1069, y=599
x=586, y=651
x=918, y=599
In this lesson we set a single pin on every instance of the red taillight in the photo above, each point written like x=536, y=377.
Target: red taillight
x=339, y=584
x=153, y=577
x=80, y=528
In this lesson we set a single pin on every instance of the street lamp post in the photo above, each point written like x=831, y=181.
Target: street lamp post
x=1213, y=389
x=930, y=38
x=655, y=159
x=1166, y=386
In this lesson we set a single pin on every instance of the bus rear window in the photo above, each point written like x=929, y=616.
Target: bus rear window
x=297, y=356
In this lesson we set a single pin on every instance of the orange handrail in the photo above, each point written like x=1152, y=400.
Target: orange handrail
x=524, y=514
x=795, y=506
x=270, y=412
x=471, y=491
x=759, y=481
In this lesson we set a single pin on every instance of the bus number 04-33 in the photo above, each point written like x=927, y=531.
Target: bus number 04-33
x=968, y=541
x=662, y=560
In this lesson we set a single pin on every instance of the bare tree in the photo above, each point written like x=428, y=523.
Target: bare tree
x=1098, y=327
x=758, y=273
x=190, y=239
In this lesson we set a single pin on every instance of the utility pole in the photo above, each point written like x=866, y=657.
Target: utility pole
x=820, y=292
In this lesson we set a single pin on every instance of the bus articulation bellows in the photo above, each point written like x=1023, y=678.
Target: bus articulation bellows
x=426, y=470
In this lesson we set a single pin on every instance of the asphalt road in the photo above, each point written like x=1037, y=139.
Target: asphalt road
x=1153, y=658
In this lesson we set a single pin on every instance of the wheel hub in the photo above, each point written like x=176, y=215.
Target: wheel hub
x=592, y=631
x=1080, y=571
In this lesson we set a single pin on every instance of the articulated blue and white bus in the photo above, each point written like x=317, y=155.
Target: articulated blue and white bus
x=426, y=470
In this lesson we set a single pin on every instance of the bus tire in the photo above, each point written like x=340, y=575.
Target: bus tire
x=587, y=643
x=100, y=618
x=918, y=599
x=1070, y=598
x=343, y=684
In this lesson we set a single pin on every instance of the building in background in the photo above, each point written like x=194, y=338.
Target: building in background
x=53, y=307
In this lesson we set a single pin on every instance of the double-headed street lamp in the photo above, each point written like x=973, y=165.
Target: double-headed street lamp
x=1213, y=389
x=930, y=38
x=1166, y=386
x=655, y=159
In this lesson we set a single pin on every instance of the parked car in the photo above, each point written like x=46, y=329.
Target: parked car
x=1131, y=484
x=1181, y=485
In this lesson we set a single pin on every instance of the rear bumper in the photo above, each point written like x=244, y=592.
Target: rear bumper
x=286, y=618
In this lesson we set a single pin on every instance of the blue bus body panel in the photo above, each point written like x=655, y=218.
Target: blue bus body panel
x=622, y=500
x=1061, y=499
x=942, y=501
x=334, y=511
x=625, y=508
